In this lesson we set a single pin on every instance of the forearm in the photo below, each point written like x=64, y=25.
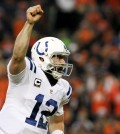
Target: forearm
x=22, y=42
x=17, y=64
x=56, y=124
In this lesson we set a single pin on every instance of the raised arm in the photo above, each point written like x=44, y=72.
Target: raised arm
x=17, y=63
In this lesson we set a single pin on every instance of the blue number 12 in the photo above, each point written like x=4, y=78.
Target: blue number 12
x=31, y=120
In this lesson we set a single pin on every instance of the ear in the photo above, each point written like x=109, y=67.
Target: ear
x=41, y=59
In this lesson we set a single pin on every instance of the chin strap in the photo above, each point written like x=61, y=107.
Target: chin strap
x=56, y=75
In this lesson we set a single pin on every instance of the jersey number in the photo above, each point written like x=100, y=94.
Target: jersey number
x=31, y=120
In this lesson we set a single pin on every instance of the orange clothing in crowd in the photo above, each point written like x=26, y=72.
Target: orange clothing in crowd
x=117, y=126
x=115, y=98
x=108, y=128
x=115, y=4
x=3, y=90
x=99, y=102
x=17, y=26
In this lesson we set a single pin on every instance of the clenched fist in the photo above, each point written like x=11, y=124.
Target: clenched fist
x=34, y=14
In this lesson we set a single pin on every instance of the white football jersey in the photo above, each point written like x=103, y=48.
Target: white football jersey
x=31, y=100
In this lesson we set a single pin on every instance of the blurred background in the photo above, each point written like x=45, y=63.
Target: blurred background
x=91, y=30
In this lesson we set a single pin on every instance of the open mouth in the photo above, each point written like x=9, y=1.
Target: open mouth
x=60, y=69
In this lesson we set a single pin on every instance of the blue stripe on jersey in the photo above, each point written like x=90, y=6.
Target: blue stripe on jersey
x=31, y=65
x=34, y=68
x=69, y=92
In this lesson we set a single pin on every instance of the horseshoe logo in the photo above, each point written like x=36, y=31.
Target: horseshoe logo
x=46, y=48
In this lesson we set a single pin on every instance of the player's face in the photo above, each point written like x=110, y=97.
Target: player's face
x=59, y=62
x=58, y=59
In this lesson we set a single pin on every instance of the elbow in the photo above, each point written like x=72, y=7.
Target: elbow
x=17, y=58
x=18, y=54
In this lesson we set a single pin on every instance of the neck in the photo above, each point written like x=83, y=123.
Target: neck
x=51, y=79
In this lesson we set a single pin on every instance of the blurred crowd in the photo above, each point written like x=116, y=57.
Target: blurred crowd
x=91, y=30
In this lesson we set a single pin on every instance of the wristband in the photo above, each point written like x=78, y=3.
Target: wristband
x=57, y=132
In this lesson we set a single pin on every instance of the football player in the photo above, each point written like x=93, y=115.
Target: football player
x=36, y=92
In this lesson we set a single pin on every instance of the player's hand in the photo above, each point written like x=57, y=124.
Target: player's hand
x=34, y=14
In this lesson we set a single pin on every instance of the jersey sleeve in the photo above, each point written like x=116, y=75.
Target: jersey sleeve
x=65, y=99
x=67, y=95
x=16, y=79
x=60, y=111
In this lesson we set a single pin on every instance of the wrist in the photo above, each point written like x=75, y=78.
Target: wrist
x=58, y=132
x=30, y=23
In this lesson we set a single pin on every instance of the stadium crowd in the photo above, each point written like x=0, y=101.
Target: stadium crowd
x=91, y=30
